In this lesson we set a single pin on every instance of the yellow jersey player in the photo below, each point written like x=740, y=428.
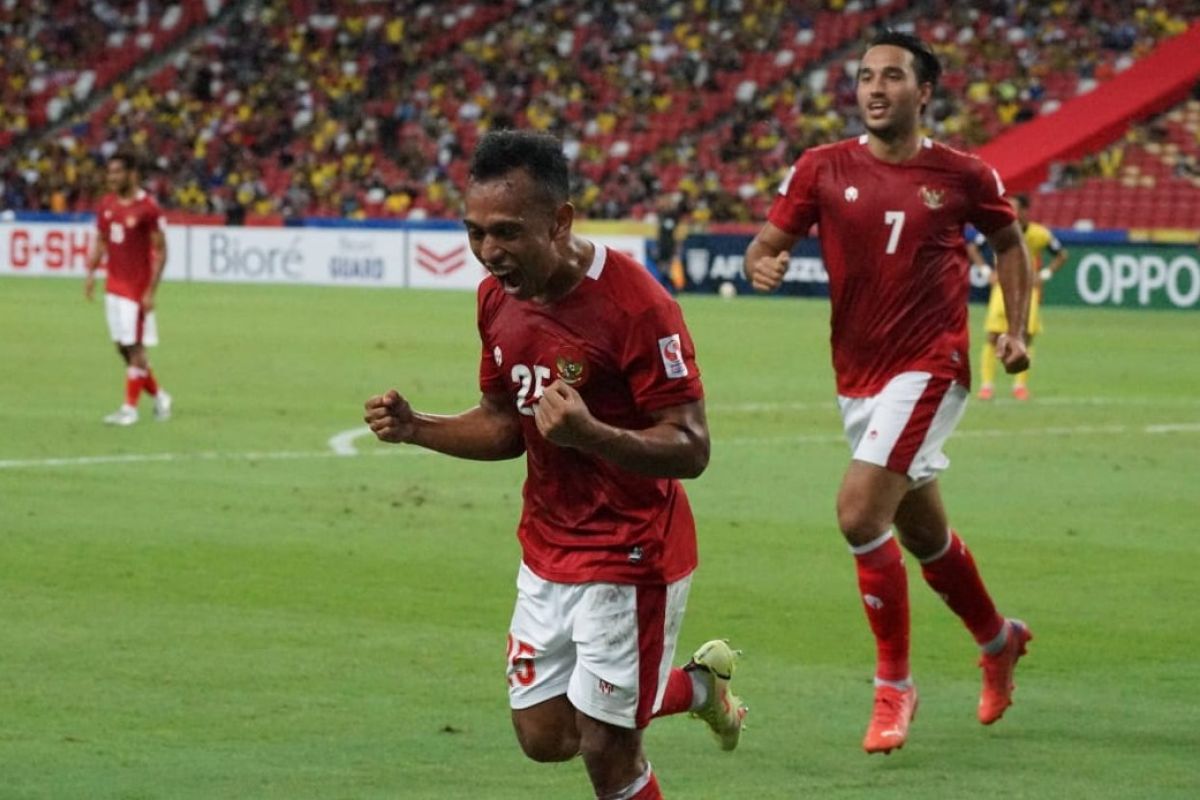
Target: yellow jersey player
x=1038, y=240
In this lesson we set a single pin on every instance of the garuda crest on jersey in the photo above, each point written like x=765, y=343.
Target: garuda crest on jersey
x=572, y=365
x=933, y=198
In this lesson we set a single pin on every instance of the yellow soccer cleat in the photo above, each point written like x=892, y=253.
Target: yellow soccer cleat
x=724, y=712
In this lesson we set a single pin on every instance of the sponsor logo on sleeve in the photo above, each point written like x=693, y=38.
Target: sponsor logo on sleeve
x=671, y=350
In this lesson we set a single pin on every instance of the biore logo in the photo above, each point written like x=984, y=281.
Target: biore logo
x=671, y=350
x=441, y=263
x=228, y=257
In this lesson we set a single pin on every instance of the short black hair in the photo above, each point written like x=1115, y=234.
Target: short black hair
x=500, y=152
x=1022, y=199
x=127, y=156
x=926, y=64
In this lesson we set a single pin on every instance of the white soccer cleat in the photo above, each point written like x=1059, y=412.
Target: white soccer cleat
x=123, y=416
x=162, y=406
x=724, y=712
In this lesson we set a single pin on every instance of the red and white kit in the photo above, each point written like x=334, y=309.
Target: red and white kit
x=125, y=227
x=892, y=242
x=619, y=339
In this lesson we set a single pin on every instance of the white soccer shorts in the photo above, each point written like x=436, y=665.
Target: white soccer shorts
x=127, y=325
x=607, y=646
x=904, y=427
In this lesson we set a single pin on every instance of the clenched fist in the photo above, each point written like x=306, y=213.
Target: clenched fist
x=563, y=417
x=390, y=417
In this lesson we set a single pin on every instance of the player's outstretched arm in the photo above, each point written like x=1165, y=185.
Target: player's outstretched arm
x=490, y=431
x=676, y=445
x=767, y=257
x=1016, y=281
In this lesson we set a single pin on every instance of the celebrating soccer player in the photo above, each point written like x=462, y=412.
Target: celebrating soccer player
x=890, y=208
x=588, y=370
x=133, y=249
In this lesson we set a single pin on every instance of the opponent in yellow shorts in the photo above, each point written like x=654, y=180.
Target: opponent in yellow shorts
x=1039, y=240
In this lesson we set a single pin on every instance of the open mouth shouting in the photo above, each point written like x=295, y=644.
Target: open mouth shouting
x=510, y=279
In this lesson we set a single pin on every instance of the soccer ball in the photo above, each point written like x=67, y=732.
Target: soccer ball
x=727, y=290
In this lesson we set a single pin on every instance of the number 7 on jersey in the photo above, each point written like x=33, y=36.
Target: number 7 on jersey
x=896, y=220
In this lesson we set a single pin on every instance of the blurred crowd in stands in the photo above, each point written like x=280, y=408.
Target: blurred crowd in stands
x=292, y=108
x=57, y=54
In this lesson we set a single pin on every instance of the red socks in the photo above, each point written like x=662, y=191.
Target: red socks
x=650, y=791
x=644, y=788
x=677, y=698
x=136, y=381
x=884, y=587
x=151, y=385
x=954, y=576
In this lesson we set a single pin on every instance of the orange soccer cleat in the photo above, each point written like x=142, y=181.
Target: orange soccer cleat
x=1020, y=393
x=894, y=709
x=986, y=391
x=998, y=670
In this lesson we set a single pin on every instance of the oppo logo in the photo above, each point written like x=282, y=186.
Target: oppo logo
x=1125, y=278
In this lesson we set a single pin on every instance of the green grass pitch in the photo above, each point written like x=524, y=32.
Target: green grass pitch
x=218, y=607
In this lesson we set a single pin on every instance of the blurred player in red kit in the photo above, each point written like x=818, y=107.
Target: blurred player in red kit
x=891, y=206
x=588, y=369
x=131, y=246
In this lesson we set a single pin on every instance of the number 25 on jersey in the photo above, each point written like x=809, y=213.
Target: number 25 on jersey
x=532, y=384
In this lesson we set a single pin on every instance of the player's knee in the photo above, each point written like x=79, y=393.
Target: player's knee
x=859, y=523
x=547, y=746
x=922, y=541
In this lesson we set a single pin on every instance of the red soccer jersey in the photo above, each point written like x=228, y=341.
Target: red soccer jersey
x=125, y=227
x=892, y=241
x=620, y=340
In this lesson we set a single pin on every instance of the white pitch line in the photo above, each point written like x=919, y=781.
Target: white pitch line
x=822, y=438
x=1183, y=427
x=144, y=458
x=821, y=405
x=991, y=433
x=342, y=444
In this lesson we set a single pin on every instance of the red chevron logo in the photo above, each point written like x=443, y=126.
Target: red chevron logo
x=441, y=263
